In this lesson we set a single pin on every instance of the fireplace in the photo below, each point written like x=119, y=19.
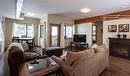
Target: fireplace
x=119, y=47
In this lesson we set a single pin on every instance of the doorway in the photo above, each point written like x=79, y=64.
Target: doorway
x=55, y=35
x=97, y=34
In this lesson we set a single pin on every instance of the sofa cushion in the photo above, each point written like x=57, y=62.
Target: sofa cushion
x=100, y=48
x=25, y=46
x=71, y=57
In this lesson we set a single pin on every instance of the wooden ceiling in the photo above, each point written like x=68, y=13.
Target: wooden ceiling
x=111, y=16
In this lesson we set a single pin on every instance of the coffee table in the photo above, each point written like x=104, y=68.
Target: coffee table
x=46, y=70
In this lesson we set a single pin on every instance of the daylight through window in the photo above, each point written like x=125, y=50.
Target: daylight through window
x=23, y=30
x=68, y=31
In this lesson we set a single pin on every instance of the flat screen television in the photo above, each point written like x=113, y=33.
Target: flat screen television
x=79, y=38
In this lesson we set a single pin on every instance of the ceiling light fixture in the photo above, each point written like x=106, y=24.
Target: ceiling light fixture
x=19, y=4
x=85, y=10
x=30, y=14
x=21, y=16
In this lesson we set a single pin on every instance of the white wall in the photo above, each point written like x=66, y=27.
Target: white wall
x=107, y=34
x=86, y=28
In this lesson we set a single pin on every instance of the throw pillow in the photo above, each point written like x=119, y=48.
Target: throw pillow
x=71, y=57
x=25, y=46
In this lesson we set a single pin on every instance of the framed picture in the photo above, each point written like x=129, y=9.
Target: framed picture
x=123, y=28
x=112, y=28
x=41, y=31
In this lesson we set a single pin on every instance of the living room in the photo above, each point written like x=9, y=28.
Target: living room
x=72, y=36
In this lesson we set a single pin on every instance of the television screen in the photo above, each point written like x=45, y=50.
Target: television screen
x=79, y=38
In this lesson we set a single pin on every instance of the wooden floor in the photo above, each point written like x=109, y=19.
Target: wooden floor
x=118, y=67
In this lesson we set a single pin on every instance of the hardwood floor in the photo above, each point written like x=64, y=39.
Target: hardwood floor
x=4, y=70
x=118, y=67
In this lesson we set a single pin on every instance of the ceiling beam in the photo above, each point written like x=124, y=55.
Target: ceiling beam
x=111, y=16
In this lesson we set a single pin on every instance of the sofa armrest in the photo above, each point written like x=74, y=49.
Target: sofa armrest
x=58, y=60
x=67, y=70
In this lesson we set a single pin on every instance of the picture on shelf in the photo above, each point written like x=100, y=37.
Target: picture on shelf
x=112, y=28
x=123, y=28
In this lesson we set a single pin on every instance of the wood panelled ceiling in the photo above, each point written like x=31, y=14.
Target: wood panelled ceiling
x=111, y=16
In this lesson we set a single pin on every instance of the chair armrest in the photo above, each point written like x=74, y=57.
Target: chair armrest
x=67, y=70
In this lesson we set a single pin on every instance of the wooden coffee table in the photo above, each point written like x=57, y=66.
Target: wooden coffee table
x=24, y=71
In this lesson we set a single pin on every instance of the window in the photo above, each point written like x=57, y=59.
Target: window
x=54, y=31
x=69, y=31
x=23, y=30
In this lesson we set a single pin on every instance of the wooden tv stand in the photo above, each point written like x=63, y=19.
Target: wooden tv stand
x=79, y=45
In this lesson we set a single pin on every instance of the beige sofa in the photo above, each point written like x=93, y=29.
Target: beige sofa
x=91, y=65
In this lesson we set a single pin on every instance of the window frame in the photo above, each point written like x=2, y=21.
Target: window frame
x=26, y=29
x=65, y=30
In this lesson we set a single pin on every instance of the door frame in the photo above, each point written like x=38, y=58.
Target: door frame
x=99, y=32
x=59, y=29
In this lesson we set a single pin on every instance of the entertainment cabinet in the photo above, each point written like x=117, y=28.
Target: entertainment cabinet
x=79, y=42
x=79, y=45
x=119, y=47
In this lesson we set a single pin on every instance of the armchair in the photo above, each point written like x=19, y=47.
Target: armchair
x=16, y=56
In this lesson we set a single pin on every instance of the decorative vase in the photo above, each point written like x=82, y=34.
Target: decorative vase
x=118, y=36
x=124, y=36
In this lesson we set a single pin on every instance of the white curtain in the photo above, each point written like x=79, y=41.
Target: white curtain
x=13, y=29
x=62, y=41
x=32, y=30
